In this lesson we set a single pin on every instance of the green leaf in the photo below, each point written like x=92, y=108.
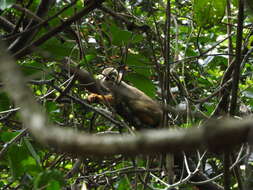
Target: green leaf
x=250, y=42
x=58, y=50
x=140, y=78
x=203, y=82
x=4, y=102
x=52, y=107
x=209, y=12
x=30, y=166
x=200, y=39
x=248, y=93
x=119, y=36
x=1, y=184
x=137, y=38
x=251, y=103
x=71, y=10
x=143, y=83
x=209, y=107
x=16, y=154
x=4, y=4
x=249, y=8
x=31, y=67
x=123, y=184
x=139, y=64
x=54, y=111
x=88, y=58
x=21, y=162
x=215, y=61
x=48, y=178
x=32, y=151
x=53, y=185
x=235, y=3
x=190, y=52
x=6, y=136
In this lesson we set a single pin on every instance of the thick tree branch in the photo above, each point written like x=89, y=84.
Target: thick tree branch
x=238, y=58
x=6, y=24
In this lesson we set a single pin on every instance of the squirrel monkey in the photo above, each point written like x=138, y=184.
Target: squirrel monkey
x=131, y=103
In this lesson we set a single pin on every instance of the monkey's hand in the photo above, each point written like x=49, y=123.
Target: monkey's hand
x=97, y=98
x=93, y=98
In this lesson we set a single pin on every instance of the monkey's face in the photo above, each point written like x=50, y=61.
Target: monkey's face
x=111, y=77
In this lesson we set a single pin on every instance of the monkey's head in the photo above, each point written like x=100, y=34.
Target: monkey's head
x=111, y=77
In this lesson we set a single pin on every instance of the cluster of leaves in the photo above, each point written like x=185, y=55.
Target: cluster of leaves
x=124, y=34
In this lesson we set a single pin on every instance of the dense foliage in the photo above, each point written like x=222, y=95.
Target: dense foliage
x=185, y=53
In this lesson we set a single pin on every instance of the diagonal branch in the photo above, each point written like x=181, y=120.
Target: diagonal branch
x=26, y=50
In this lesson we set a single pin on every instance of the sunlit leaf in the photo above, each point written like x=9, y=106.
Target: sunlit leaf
x=53, y=185
x=4, y=4
x=209, y=12
x=32, y=151
x=248, y=93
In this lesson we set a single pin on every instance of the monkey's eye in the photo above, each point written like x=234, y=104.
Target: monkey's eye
x=111, y=77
